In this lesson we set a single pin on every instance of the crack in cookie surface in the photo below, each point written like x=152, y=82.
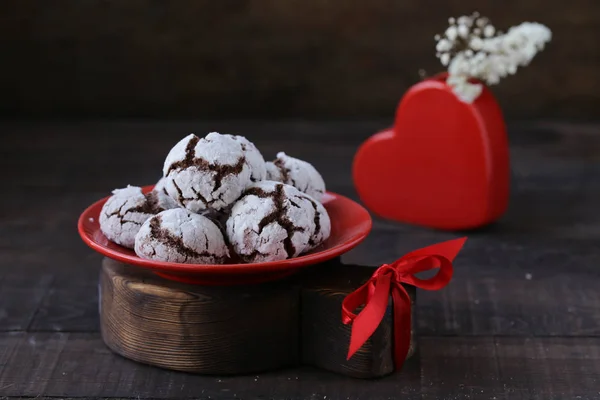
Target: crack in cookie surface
x=285, y=172
x=225, y=170
x=278, y=215
x=252, y=256
x=200, y=197
x=316, y=220
x=121, y=215
x=164, y=236
x=150, y=206
x=221, y=171
x=183, y=200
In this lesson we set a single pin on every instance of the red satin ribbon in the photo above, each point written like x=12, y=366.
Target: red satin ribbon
x=375, y=294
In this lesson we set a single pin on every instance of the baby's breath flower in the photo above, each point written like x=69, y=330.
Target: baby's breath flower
x=465, y=20
x=488, y=31
x=445, y=59
x=476, y=43
x=463, y=31
x=467, y=91
x=452, y=33
x=485, y=53
x=443, y=45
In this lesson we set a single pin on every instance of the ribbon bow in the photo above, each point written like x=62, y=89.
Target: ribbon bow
x=375, y=294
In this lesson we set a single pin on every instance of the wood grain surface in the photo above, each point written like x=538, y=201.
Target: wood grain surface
x=209, y=330
x=258, y=58
x=325, y=339
x=242, y=329
x=520, y=320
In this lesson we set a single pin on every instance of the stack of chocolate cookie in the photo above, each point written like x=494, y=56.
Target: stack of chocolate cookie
x=218, y=202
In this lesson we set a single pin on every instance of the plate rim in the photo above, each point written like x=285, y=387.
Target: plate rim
x=225, y=269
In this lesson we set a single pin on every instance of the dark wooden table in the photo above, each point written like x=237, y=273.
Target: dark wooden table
x=521, y=319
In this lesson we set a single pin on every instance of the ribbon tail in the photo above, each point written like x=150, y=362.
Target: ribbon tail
x=402, y=324
x=369, y=318
x=448, y=249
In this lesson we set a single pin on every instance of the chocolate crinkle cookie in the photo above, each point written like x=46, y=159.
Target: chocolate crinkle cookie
x=274, y=221
x=161, y=191
x=180, y=236
x=255, y=160
x=321, y=221
x=300, y=174
x=211, y=172
x=126, y=210
x=217, y=216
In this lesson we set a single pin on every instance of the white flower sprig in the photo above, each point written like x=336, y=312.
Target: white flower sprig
x=471, y=47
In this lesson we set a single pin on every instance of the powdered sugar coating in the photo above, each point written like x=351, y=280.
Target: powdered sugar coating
x=211, y=172
x=273, y=172
x=272, y=221
x=180, y=236
x=300, y=174
x=126, y=210
x=254, y=158
x=161, y=186
x=322, y=223
x=163, y=195
x=217, y=216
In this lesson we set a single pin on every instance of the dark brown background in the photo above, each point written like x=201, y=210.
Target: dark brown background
x=292, y=58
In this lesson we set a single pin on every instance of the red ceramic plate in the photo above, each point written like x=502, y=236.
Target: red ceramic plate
x=350, y=225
